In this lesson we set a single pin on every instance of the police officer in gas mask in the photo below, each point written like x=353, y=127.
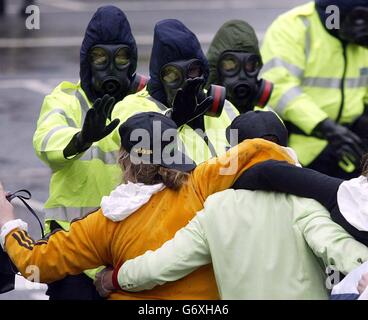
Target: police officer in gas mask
x=317, y=58
x=235, y=62
x=73, y=132
x=178, y=73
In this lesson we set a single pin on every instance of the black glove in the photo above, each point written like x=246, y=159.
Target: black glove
x=94, y=126
x=185, y=106
x=360, y=126
x=345, y=143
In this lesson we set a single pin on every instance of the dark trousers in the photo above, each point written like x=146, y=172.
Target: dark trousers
x=7, y=273
x=79, y=287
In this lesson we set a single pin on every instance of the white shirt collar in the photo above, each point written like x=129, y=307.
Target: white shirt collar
x=128, y=198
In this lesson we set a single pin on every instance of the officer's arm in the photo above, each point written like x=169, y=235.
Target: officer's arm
x=178, y=257
x=284, y=53
x=220, y=173
x=85, y=246
x=328, y=240
x=55, y=129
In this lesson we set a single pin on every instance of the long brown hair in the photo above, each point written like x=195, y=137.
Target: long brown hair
x=150, y=173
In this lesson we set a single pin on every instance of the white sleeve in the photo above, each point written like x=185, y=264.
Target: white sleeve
x=350, y=283
x=10, y=226
x=178, y=257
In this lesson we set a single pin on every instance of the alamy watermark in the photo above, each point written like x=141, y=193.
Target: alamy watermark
x=33, y=17
x=333, y=19
x=32, y=274
x=167, y=147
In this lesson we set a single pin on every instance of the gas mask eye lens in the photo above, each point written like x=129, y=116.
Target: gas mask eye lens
x=360, y=22
x=229, y=65
x=98, y=57
x=252, y=64
x=171, y=75
x=195, y=70
x=122, y=57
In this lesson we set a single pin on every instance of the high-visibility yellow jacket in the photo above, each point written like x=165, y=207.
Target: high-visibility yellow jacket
x=314, y=77
x=78, y=184
x=194, y=144
x=97, y=240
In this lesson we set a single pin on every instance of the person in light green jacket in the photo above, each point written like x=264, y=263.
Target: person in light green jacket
x=263, y=245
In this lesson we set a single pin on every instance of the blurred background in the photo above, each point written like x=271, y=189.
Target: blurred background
x=33, y=62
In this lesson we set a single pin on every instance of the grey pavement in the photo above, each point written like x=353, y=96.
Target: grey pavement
x=32, y=62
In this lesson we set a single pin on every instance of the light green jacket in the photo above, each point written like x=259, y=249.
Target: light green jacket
x=312, y=78
x=262, y=245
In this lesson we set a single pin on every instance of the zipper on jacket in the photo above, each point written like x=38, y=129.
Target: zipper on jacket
x=342, y=83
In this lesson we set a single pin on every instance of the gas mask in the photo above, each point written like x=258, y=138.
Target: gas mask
x=175, y=75
x=239, y=74
x=110, y=71
x=354, y=27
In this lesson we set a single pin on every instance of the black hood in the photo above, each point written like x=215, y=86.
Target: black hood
x=172, y=41
x=345, y=6
x=109, y=25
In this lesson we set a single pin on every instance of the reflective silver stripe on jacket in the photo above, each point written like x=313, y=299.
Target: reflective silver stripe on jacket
x=95, y=152
x=82, y=102
x=60, y=111
x=357, y=82
x=317, y=82
x=308, y=39
x=278, y=62
x=229, y=109
x=67, y=214
x=84, y=105
x=49, y=135
x=335, y=83
x=287, y=97
x=160, y=105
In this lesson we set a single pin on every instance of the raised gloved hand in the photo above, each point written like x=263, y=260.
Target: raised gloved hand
x=94, y=126
x=346, y=144
x=185, y=106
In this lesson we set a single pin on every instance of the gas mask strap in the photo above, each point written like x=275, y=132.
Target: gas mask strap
x=24, y=195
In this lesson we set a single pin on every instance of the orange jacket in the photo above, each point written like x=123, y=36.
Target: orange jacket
x=95, y=240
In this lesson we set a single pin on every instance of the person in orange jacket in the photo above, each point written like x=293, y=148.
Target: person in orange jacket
x=163, y=191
